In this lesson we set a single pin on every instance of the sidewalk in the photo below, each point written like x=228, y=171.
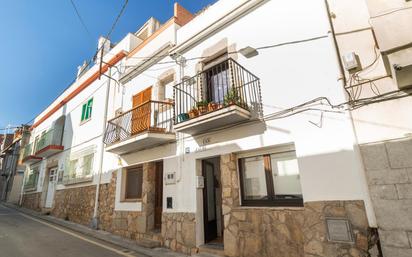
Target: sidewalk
x=99, y=234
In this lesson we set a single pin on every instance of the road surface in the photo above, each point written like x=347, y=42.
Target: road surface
x=25, y=236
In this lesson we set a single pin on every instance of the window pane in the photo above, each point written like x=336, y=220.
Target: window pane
x=286, y=177
x=89, y=109
x=254, y=179
x=83, y=112
x=87, y=164
x=134, y=183
x=73, y=168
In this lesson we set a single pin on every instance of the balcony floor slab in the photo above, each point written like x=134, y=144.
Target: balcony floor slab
x=216, y=119
x=140, y=141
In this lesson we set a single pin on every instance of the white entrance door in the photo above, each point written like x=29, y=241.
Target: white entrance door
x=51, y=187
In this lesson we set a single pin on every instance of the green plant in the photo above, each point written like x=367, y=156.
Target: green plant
x=202, y=103
x=232, y=97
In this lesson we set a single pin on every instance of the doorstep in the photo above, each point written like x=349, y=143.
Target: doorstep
x=142, y=246
x=212, y=250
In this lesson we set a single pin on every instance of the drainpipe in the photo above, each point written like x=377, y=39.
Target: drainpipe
x=342, y=79
x=95, y=219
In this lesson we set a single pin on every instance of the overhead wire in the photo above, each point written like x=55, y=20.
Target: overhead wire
x=95, y=54
x=81, y=19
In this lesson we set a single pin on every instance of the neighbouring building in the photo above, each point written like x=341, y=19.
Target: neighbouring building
x=8, y=149
x=378, y=34
x=252, y=128
x=64, y=157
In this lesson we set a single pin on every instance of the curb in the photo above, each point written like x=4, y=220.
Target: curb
x=99, y=234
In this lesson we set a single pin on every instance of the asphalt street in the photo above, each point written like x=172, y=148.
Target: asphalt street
x=25, y=236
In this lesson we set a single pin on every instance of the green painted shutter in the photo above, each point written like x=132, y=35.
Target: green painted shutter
x=84, y=108
x=89, y=108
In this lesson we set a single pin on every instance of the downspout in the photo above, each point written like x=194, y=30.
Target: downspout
x=95, y=219
x=371, y=217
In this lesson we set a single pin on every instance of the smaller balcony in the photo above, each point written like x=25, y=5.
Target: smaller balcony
x=222, y=95
x=28, y=155
x=144, y=126
x=50, y=142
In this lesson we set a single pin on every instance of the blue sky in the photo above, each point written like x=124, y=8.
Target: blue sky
x=42, y=42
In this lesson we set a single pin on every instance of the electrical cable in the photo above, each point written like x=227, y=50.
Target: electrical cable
x=81, y=19
x=390, y=12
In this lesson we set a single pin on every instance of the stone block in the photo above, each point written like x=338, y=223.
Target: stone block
x=231, y=244
x=386, y=192
x=399, y=153
x=396, y=252
x=394, y=215
x=387, y=176
x=404, y=191
x=394, y=238
x=374, y=156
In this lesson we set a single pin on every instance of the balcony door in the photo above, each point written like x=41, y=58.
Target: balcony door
x=217, y=79
x=141, y=115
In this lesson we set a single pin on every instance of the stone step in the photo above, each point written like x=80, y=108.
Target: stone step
x=212, y=249
x=205, y=255
x=144, y=242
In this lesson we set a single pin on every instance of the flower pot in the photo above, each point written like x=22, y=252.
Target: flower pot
x=193, y=113
x=182, y=117
x=202, y=109
x=212, y=107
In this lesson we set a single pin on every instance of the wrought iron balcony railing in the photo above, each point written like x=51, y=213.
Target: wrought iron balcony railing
x=151, y=116
x=223, y=85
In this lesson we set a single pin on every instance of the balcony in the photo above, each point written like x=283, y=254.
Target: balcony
x=144, y=126
x=222, y=95
x=28, y=155
x=50, y=142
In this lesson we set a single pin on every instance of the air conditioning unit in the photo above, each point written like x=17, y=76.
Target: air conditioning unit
x=402, y=74
x=401, y=68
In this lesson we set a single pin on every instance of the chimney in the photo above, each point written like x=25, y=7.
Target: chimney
x=106, y=48
x=81, y=69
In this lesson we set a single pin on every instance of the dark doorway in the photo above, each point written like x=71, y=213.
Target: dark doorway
x=212, y=206
x=158, y=196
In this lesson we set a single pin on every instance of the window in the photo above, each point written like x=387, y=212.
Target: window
x=87, y=110
x=79, y=169
x=270, y=180
x=32, y=179
x=133, y=183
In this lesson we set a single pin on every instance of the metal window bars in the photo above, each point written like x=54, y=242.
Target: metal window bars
x=151, y=116
x=225, y=84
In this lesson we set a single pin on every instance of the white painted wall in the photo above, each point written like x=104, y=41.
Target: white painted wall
x=292, y=74
x=385, y=120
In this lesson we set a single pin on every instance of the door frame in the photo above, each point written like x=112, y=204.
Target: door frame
x=207, y=227
x=55, y=177
x=158, y=194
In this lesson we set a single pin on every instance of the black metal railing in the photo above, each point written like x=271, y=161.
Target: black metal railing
x=223, y=85
x=151, y=116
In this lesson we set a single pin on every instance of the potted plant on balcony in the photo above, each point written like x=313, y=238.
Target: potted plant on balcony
x=212, y=106
x=182, y=117
x=202, y=106
x=232, y=97
x=193, y=113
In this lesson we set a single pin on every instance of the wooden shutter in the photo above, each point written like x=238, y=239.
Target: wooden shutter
x=141, y=115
